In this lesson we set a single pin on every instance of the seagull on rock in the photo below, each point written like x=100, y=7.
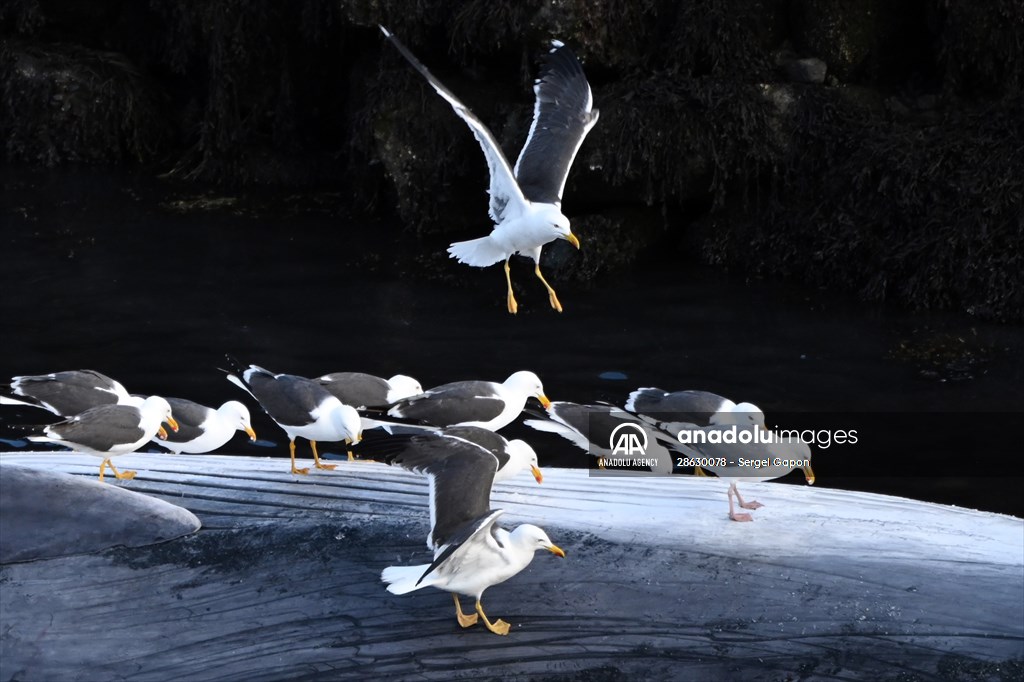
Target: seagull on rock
x=110, y=430
x=486, y=404
x=300, y=406
x=69, y=392
x=363, y=391
x=204, y=429
x=471, y=552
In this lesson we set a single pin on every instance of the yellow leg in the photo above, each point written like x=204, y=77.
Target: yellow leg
x=316, y=459
x=697, y=471
x=551, y=292
x=121, y=475
x=291, y=449
x=351, y=457
x=465, y=619
x=513, y=307
x=498, y=627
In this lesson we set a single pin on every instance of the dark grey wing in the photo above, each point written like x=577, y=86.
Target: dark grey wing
x=356, y=389
x=100, y=428
x=595, y=422
x=563, y=114
x=461, y=475
x=505, y=193
x=190, y=416
x=491, y=441
x=454, y=403
x=692, y=407
x=67, y=393
x=466, y=533
x=289, y=400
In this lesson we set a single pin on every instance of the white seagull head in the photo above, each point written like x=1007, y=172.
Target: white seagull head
x=347, y=421
x=530, y=537
x=237, y=415
x=527, y=383
x=522, y=456
x=402, y=387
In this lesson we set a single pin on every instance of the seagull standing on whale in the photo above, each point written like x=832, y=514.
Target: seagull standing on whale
x=526, y=201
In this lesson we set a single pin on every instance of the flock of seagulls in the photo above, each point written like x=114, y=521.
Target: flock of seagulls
x=447, y=433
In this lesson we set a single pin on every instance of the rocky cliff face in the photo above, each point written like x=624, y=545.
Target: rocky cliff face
x=870, y=146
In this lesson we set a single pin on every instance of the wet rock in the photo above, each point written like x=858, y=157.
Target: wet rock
x=50, y=514
x=66, y=103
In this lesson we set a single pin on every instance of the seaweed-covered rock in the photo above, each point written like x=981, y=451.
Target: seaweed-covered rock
x=610, y=241
x=66, y=103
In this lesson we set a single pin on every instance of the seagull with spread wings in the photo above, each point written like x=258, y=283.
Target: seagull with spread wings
x=471, y=552
x=526, y=200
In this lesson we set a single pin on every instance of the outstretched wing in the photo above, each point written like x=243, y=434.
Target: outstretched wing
x=563, y=114
x=461, y=474
x=507, y=199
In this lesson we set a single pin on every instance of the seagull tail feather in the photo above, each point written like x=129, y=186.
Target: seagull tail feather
x=478, y=252
x=402, y=579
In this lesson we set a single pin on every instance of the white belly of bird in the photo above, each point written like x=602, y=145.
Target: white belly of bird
x=523, y=235
x=477, y=566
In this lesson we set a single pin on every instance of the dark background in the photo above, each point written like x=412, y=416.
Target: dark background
x=822, y=237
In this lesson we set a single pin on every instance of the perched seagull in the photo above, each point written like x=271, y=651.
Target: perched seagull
x=471, y=552
x=526, y=200
x=767, y=454
x=68, y=393
x=204, y=429
x=486, y=404
x=685, y=408
x=592, y=428
x=110, y=430
x=300, y=406
x=365, y=390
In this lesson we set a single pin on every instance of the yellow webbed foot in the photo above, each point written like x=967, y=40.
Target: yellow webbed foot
x=498, y=627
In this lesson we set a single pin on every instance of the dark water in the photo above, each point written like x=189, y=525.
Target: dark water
x=153, y=283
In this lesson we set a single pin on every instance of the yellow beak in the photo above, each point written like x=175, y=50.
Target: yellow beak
x=544, y=401
x=162, y=433
x=537, y=474
x=555, y=549
x=172, y=422
x=250, y=433
x=809, y=473
x=572, y=240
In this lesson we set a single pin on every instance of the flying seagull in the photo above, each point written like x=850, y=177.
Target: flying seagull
x=471, y=552
x=526, y=201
